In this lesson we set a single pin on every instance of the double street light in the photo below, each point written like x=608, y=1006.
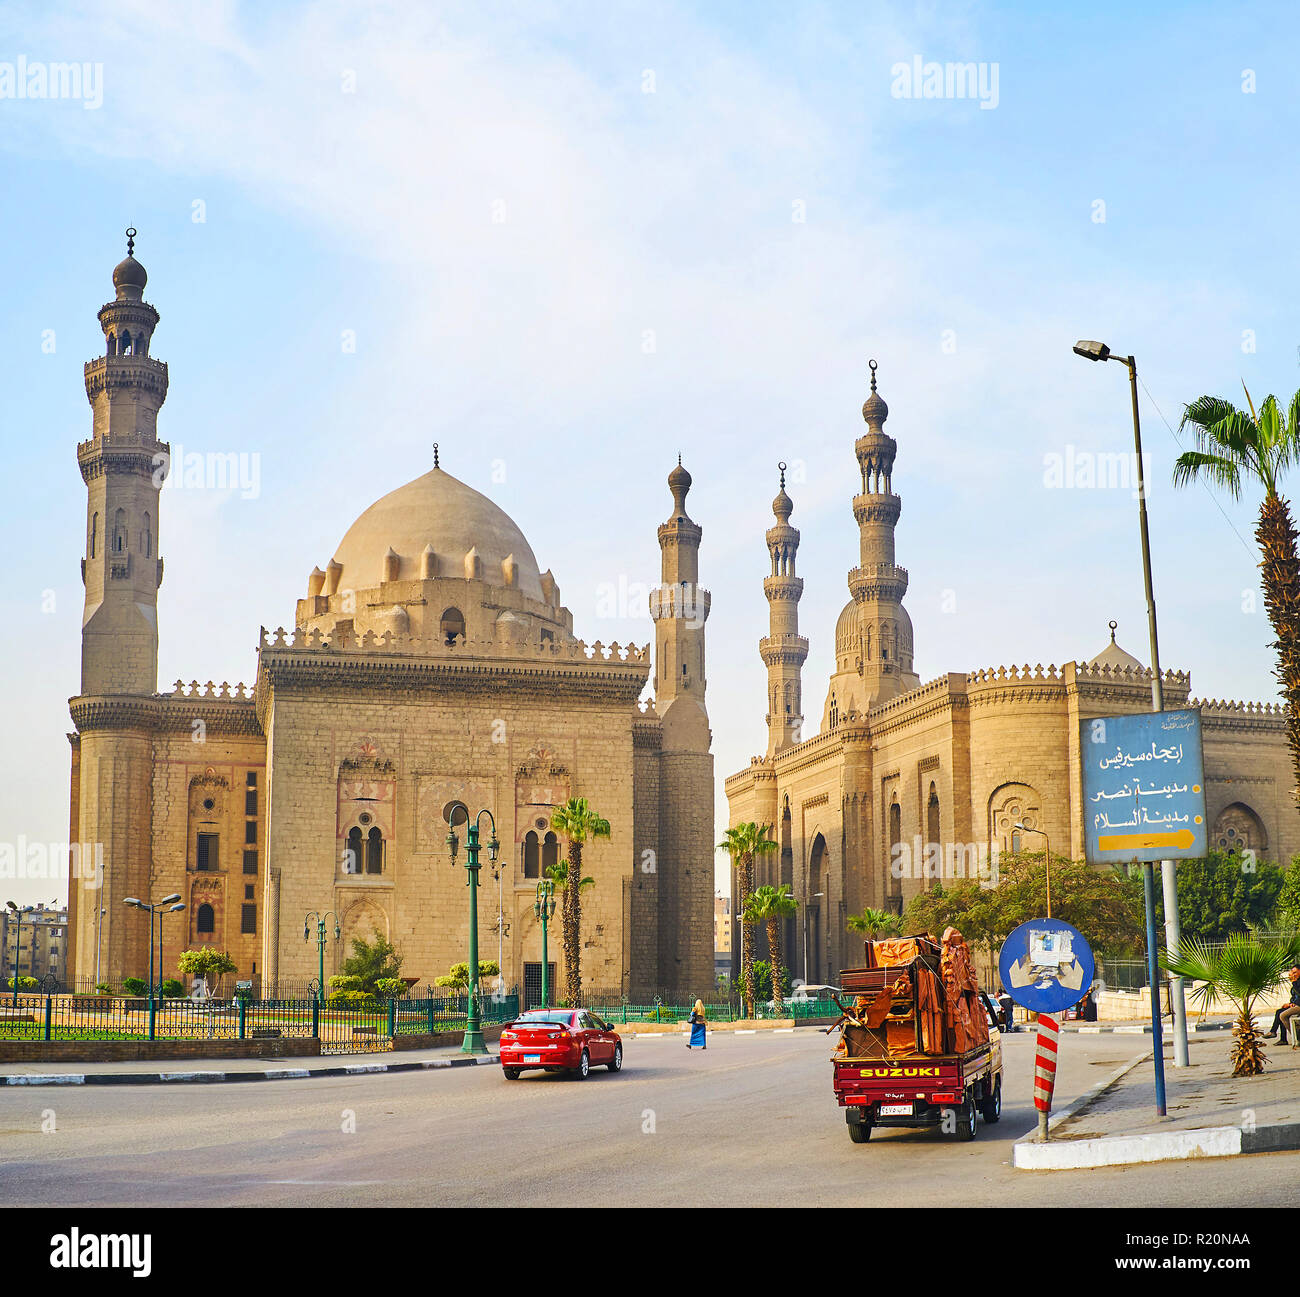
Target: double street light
x=18, y=911
x=455, y=813
x=1090, y=350
x=320, y=943
x=544, y=909
x=168, y=905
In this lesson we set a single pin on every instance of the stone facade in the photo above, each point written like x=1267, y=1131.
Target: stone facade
x=431, y=659
x=897, y=766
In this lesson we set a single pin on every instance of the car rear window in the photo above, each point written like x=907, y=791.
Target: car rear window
x=559, y=1016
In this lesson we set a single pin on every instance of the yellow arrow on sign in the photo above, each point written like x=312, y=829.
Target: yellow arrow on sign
x=1141, y=841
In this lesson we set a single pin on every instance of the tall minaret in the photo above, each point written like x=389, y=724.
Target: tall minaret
x=878, y=583
x=783, y=649
x=686, y=830
x=123, y=465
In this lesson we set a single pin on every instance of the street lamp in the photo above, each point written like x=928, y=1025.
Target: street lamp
x=171, y=909
x=1168, y=881
x=456, y=812
x=544, y=909
x=1047, y=860
x=18, y=912
x=153, y=908
x=320, y=944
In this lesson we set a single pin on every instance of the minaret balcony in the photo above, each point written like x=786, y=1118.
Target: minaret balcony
x=778, y=588
x=783, y=650
x=886, y=582
x=884, y=507
x=687, y=601
x=126, y=373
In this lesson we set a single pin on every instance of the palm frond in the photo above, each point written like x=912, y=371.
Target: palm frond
x=1219, y=469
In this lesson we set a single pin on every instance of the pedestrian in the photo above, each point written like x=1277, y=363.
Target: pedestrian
x=697, y=1027
x=1290, y=1010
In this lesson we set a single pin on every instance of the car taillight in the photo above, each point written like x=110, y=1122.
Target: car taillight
x=507, y=1035
x=943, y=1098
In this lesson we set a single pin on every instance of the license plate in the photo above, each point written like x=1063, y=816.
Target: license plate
x=537, y=1058
x=895, y=1109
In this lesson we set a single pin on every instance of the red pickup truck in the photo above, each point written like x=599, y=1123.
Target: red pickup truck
x=920, y=1046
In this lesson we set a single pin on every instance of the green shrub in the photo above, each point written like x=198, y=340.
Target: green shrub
x=341, y=999
x=24, y=983
x=345, y=982
x=134, y=985
x=103, y=988
x=173, y=989
x=390, y=986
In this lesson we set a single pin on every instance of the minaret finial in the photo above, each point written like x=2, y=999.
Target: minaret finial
x=1113, y=627
x=130, y=240
x=435, y=454
x=781, y=466
x=679, y=459
x=873, y=375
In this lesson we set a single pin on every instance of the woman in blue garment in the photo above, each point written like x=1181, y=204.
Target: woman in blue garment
x=697, y=1027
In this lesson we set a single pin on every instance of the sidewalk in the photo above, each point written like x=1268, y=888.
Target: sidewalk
x=239, y=1069
x=1209, y=1112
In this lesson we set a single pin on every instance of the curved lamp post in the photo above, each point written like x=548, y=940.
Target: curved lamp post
x=544, y=908
x=154, y=907
x=456, y=812
x=320, y=944
x=18, y=912
x=1047, y=860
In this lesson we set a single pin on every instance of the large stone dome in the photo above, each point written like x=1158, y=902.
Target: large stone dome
x=438, y=511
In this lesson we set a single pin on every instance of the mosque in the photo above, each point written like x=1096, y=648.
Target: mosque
x=430, y=659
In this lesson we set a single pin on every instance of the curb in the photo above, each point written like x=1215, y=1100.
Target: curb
x=1130, y=1030
x=216, y=1078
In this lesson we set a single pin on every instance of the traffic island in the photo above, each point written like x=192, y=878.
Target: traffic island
x=1210, y=1113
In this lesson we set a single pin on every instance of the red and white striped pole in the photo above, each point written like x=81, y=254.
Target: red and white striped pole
x=1049, y=1031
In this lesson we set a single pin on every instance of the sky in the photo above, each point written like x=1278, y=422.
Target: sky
x=568, y=241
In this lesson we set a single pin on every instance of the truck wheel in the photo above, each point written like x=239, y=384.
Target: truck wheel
x=991, y=1108
x=860, y=1132
x=967, y=1123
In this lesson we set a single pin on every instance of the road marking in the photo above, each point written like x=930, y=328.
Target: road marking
x=52, y=1078
x=1130, y=1031
x=783, y=1031
x=1091, y=1031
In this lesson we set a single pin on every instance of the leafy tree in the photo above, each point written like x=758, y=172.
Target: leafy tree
x=576, y=821
x=208, y=963
x=763, y=980
x=1232, y=444
x=371, y=961
x=743, y=843
x=1246, y=967
x=1105, y=905
x=1288, y=899
x=769, y=905
x=1219, y=895
x=875, y=923
x=458, y=978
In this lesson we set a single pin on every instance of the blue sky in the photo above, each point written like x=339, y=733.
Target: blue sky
x=490, y=199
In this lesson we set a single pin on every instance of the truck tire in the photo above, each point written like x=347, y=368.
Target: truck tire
x=991, y=1108
x=860, y=1132
x=967, y=1119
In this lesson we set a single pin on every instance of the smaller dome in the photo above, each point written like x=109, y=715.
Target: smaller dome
x=847, y=624
x=1115, y=657
x=874, y=409
x=679, y=477
x=129, y=274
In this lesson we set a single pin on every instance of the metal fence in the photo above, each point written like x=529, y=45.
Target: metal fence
x=354, y=1028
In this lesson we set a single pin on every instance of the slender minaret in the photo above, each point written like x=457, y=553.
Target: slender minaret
x=679, y=608
x=783, y=649
x=878, y=584
x=123, y=465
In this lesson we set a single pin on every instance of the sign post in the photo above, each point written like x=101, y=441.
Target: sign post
x=1046, y=966
x=1144, y=801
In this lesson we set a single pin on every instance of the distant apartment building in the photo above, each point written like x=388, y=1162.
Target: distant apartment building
x=722, y=935
x=39, y=941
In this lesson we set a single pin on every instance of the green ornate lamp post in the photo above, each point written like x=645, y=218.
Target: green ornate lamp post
x=320, y=944
x=455, y=813
x=544, y=908
x=154, y=908
x=18, y=912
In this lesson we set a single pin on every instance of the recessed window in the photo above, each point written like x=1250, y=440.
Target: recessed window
x=205, y=921
x=208, y=803
x=250, y=802
x=250, y=831
x=248, y=919
x=248, y=891
x=375, y=852
x=250, y=862
x=251, y=781
x=205, y=852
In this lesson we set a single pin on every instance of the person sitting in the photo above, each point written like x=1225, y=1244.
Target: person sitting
x=1291, y=1009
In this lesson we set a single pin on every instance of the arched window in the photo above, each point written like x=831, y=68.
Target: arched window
x=112, y=345
x=1236, y=829
x=375, y=852
x=205, y=921
x=835, y=712
x=453, y=624
x=94, y=533
x=934, y=848
x=531, y=867
x=352, y=856
x=126, y=342
x=119, y=532
x=894, y=898
x=550, y=852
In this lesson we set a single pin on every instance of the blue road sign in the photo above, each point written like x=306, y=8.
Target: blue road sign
x=1143, y=787
x=1046, y=966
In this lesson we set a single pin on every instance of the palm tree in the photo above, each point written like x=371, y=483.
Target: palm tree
x=875, y=923
x=1232, y=445
x=770, y=905
x=743, y=842
x=1244, y=968
x=578, y=822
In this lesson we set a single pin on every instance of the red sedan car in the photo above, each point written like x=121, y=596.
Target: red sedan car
x=559, y=1040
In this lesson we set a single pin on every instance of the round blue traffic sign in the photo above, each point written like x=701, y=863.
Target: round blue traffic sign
x=1046, y=966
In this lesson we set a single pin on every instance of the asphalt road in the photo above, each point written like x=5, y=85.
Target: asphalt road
x=752, y=1116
